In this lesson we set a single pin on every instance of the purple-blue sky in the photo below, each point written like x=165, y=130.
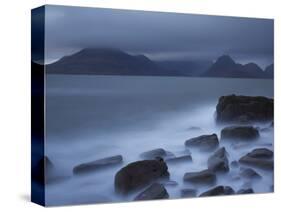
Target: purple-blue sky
x=160, y=36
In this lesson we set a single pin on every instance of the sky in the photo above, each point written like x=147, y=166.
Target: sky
x=158, y=35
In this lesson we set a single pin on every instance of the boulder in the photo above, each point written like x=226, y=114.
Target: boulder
x=203, y=142
x=245, y=191
x=188, y=192
x=218, y=191
x=153, y=192
x=237, y=109
x=244, y=133
x=249, y=173
x=261, y=158
x=139, y=174
x=154, y=153
x=183, y=158
x=85, y=168
x=218, y=162
x=204, y=177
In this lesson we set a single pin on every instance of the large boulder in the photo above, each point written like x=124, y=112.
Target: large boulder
x=237, y=109
x=261, y=157
x=218, y=191
x=205, y=177
x=85, y=168
x=244, y=133
x=153, y=192
x=203, y=142
x=139, y=174
x=218, y=162
x=154, y=153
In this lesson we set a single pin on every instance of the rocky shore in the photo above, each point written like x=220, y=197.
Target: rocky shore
x=149, y=177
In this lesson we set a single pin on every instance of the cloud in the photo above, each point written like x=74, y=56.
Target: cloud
x=160, y=35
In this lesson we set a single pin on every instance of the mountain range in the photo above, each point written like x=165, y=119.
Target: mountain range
x=105, y=61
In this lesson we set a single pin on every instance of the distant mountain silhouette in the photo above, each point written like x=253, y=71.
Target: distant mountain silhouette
x=269, y=71
x=225, y=66
x=104, y=61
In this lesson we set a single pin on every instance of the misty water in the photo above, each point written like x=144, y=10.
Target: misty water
x=93, y=117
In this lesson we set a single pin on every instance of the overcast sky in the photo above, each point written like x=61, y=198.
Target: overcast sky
x=160, y=36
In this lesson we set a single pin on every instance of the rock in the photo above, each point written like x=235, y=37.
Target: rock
x=155, y=191
x=245, y=191
x=204, y=177
x=85, y=168
x=217, y=191
x=218, y=162
x=188, y=192
x=183, y=158
x=261, y=158
x=237, y=109
x=234, y=164
x=204, y=142
x=152, y=154
x=41, y=173
x=139, y=174
x=244, y=133
x=249, y=173
x=261, y=153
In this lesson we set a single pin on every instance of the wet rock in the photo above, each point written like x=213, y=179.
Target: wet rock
x=204, y=142
x=183, y=158
x=218, y=162
x=85, y=168
x=204, y=177
x=153, y=192
x=218, y=191
x=152, y=154
x=188, y=192
x=239, y=109
x=261, y=157
x=139, y=174
x=239, y=133
x=249, y=173
x=234, y=164
x=42, y=172
x=245, y=191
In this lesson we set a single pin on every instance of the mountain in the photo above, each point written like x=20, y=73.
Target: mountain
x=186, y=67
x=269, y=71
x=104, y=61
x=225, y=66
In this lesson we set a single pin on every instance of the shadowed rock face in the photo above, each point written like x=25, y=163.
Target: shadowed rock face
x=239, y=133
x=203, y=142
x=249, y=173
x=245, y=191
x=218, y=162
x=153, y=192
x=205, y=176
x=217, y=191
x=139, y=174
x=261, y=157
x=97, y=164
x=154, y=153
x=188, y=192
x=244, y=109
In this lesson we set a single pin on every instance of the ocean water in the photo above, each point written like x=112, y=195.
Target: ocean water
x=92, y=117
